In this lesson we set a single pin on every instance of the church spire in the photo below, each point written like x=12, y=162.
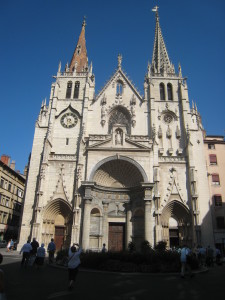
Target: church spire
x=79, y=61
x=160, y=59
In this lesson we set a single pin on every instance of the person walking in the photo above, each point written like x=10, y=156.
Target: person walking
x=26, y=253
x=40, y=255
x=33, y=253
x=104, y=250
x=73, y=264
x=51, y=251
x=184, y=257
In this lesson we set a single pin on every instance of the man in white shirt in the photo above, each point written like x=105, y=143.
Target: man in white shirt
x=26, y=253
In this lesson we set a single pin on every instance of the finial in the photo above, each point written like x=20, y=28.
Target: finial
x=119, y=60
x=84, y=22
x=155, y=9
x=180, y=71
x=59, y=68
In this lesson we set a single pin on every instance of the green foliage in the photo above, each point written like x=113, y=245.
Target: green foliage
x=146, y=247
x=161, y=246
x=131, y=247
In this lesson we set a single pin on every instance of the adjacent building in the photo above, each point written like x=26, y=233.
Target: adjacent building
x=12, y=186
x=215, y=158
x=118, y=166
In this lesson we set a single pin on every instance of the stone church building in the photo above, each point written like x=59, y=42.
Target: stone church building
x=118, y=166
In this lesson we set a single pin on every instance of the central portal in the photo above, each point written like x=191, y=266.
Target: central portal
x=116, y=237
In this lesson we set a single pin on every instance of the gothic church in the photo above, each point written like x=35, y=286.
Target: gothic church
x=118, y=166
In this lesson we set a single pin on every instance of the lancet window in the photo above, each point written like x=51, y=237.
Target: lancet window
x=69, y=89
x=162, y=91
x=170, y=91
x=76, y=90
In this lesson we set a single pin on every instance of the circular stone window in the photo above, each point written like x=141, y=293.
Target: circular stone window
x=167, y=118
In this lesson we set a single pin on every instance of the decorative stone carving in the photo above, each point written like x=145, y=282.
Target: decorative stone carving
x=118, y=137
x=160, y=132
x=168, y=132
x=178, y=133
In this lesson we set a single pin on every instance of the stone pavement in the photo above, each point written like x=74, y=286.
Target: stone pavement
x=51, y=283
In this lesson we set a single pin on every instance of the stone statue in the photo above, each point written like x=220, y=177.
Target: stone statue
x=118, y=138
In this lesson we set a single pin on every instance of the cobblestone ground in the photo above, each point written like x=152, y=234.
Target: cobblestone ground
x=51, y=283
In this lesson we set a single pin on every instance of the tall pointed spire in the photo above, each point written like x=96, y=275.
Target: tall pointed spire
x=79, y=60
x=160, y=59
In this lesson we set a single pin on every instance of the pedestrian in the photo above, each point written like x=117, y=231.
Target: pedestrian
x=51, y=251
x=218, y=256
x=2, y=281
x=209, y=257
x=104, y=250
x=11, y=245
x=26, y=253
x=185, y=261
x=73, y=264
x=8, y=245
x=40, y=255
x=33, y=252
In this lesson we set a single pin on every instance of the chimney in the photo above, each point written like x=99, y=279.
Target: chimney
x=13, y=164
x=5, y=159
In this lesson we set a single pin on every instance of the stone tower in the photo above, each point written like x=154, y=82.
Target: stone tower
x=118, y=167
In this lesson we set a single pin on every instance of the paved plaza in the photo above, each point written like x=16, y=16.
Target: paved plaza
x=51, y=283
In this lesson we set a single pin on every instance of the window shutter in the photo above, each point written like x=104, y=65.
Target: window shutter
x=217, y=200
x=212, y=159
x=215, y=178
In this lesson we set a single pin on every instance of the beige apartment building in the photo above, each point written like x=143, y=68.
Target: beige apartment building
x=215, y=158
x=12, y=185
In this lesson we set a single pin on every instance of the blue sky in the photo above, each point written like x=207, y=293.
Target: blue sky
x=36, y=35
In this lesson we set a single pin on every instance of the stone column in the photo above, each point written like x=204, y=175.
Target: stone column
x=149, y=236
x=128, y=224
x=148, y=229
x=86, y=224
x=105, y=224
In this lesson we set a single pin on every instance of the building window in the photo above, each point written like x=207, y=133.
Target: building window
x=6, y=185
x=162, y=91
x=212, y=159
x=9, y=186
x=217, y=200
x=170, y=91
x=215, y=179
x=119, y=88
x=220, y=222
x=69, y=90
x=2, y=183
x=76, y=90
x=211, y=146
x=7, y=202
x=20, y=193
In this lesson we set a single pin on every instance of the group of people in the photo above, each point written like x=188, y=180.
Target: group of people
x=33, y=254
x=205, y=257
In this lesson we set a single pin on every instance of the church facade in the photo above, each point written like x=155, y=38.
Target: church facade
x=118, y=167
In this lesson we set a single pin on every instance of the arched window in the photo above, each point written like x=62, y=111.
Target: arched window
x=119, y=88
x=76, y=90
x=120, y=116
x=170, y=91
x=69, y=89
x=162, y=91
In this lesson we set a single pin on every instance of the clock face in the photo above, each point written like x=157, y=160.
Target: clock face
x=69, y=120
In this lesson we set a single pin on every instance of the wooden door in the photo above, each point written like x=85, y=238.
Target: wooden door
x=59, y=237
x=116, y=237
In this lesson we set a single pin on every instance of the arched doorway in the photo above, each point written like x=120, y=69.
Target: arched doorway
x=116, y=181
x=176, y=221
x=57, y=221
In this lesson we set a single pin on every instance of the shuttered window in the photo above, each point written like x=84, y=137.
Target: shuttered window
x=213, y=159
x=217, y=200
x=215, y=179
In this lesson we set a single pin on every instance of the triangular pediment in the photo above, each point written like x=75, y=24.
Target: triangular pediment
x=106, y=141
x=120, y=75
